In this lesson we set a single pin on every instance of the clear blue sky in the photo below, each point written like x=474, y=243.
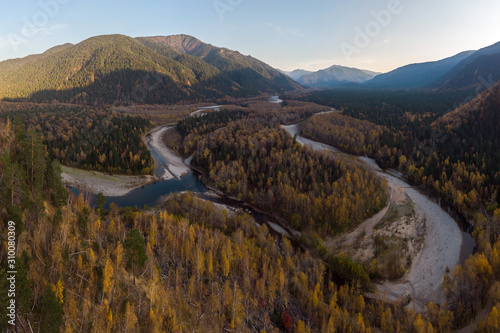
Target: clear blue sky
x=287, y=34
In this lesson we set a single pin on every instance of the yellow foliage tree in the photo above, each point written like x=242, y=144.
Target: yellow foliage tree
x=492, y=320
x=59, y=291
x=419, y=324
x=108, y=277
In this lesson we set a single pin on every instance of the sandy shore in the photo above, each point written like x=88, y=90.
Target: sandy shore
x=169, y=163
x=441, y=250
x=294, y=130
x=442, y=244
x=98, y=182
x=205, y=109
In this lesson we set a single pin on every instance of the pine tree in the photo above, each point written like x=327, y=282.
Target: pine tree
x=51, y=311
x=33, y=153
x=24, y=288
x=54, y=183
x=135, y=251
x=13, y=185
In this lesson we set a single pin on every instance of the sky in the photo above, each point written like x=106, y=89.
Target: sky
x=378, y=35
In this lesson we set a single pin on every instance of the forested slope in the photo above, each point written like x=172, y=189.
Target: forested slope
x=455, y=155
x=117, y=69
x=249, y=73
x=245, y=154
x=87, y=137
x=81, y=269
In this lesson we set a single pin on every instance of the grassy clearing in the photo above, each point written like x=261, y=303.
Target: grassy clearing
x=395, y=213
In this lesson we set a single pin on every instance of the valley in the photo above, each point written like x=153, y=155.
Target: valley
x=443, y=240
x=161, y=183
x=439, y=250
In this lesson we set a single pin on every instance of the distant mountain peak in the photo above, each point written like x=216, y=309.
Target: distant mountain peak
x=336, y=75
x=296, y=74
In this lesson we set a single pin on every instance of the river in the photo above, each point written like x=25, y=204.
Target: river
x=444, y=247
x=445, y=244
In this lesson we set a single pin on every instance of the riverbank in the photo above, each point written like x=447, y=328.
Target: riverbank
x=98, y=182
x=168, y=165
x=442, y=241
x=293, y=130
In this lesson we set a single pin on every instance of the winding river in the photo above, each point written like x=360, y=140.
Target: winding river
x=444, y=247
x=445, y=244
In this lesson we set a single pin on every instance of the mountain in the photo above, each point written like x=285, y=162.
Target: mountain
x=297, y=74
x=475, y=127
x=119, y=69
x=417, y=75
x=480, y=70
x=468, y=70
x=480, y=74
x=482, y=111
x=248, y=72
x=335, y=76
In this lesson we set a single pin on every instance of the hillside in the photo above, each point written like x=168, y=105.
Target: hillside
x=464, y=74
x=335, y=76
x=416, y=75
x=249, y=73
x=477, y=122
x=117, y=69
x=466, y=71
x=480, y=74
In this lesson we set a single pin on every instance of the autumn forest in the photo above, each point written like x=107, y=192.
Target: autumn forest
x=163, y=184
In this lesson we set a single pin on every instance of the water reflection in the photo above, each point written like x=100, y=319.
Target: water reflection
x=150, y=194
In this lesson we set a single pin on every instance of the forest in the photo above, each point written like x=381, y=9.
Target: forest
x=187, y=266
x=453, y=154
x=390, y=108
x=245, y=154
x=86, y=137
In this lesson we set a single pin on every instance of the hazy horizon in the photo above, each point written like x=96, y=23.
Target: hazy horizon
x=379, y=36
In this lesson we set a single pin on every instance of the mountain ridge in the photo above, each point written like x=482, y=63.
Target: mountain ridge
x=465, y=71
x=117, y=69
x=336, y=75
x=471, y=72
x=297, y=73
x=417, y=75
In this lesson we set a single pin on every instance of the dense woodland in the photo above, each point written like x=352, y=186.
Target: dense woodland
x=190, y=266
x=88, y=138
x=455, y=155
x=265, y=167
x=390, y=108
x=256, y=161
x=82, y=269
x=348, y=134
